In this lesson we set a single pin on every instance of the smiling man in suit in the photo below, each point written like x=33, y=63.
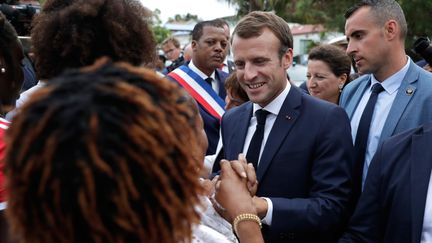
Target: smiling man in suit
x=300, y=146
x=376, y=32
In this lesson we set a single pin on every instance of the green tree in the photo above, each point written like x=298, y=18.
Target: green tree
x=183, y=18
x=160, y=33
x=330, y=13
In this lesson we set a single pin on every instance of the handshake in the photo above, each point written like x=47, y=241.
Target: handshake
x=232, y=194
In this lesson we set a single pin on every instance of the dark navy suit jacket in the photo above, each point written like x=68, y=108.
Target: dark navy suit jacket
x=305, y=167
x=392, y=205
x=212, y=124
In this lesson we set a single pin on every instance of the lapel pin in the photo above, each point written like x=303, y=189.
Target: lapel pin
x=288, y=117
x=409, y=91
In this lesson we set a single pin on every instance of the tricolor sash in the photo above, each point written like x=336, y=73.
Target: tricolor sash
x=200, y=90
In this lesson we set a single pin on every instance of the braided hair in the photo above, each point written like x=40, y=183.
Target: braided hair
x=106, y=160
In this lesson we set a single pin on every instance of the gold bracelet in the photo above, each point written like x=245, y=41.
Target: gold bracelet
x=244, y=217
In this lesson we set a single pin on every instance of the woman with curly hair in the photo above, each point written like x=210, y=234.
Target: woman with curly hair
x=117, y=161
x=93, y=158
x=75, y=33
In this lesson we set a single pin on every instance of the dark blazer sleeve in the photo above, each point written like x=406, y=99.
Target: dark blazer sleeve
x=324, y=210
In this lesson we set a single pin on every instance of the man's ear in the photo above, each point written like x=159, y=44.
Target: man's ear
x=194, y=45
x=391, y=29
x=287, y=58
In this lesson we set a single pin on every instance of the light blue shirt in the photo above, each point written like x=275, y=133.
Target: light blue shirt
x=380, y=114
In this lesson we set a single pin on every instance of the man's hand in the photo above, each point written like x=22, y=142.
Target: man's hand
x=232, y=195
x=247, y=171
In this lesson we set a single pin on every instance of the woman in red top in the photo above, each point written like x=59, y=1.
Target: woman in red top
x=11, y=78
x=3, y=127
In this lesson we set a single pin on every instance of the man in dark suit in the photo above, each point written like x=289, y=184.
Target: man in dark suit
x=396, y=204
x=306, y=149
x=376, y=32
x=202, y=78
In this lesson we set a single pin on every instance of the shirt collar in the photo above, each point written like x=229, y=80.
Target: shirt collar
x=392, y=83
x=201, y=74
x=275, y=105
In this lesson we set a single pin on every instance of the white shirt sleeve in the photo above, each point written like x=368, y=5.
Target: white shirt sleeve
x=269, y=215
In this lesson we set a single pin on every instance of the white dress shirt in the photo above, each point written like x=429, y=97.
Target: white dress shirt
x=215, y=84
x=427, y=219
x=273, y=107
x=381, y=111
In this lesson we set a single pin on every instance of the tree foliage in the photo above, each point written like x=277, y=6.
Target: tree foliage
x=330, y=13
x=183, y=18
x=160, y=33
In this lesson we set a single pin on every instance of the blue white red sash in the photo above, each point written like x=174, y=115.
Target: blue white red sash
x=200, y=90
x=4, y=124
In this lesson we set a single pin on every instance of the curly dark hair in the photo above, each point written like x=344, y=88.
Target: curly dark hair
x=8, y=38
x=93, y=158
x=75, y=33
x=11, y=54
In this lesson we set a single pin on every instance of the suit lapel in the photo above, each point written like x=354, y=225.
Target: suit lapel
x=356, y=97
x=421, y=165
x=219, y=78
x=405, y=93
x=241, y=128
x=285, y=120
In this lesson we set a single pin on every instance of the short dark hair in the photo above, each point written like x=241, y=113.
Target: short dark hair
x=75, y=33
x=222, y=22
x=197, y=31
x=254, y=23
x=383, y=11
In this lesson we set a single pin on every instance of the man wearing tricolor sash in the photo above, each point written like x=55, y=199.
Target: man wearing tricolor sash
x=202, y=78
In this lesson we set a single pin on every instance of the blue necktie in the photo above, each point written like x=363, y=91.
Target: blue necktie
x=209, y=80
x=254, y=149
x=362, y=139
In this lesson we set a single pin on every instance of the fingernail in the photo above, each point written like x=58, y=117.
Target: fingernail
x=243, y=174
